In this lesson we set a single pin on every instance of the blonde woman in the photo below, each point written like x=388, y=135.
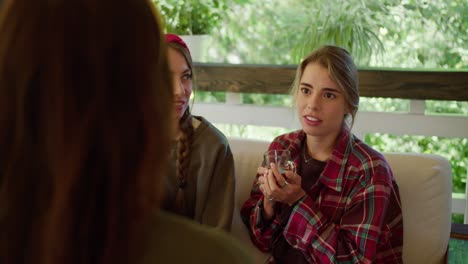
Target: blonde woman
x=343, y=205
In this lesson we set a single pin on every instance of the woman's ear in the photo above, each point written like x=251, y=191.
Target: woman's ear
x=346, y=111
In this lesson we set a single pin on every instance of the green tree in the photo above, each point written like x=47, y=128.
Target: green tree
x=384, y=33
x=429, y=34
x=281, y=32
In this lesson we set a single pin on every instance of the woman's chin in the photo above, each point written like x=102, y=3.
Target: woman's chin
x=179, y=112
x=312, y=132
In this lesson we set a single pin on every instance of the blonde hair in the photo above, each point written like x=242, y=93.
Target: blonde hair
x=341, y=69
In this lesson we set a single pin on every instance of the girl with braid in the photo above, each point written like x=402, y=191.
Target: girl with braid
x=201, y=183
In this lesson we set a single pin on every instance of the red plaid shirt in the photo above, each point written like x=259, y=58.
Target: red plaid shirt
x=351, y=215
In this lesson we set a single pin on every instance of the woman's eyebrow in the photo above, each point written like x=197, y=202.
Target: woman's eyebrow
x=326, y=89
x=331, y=90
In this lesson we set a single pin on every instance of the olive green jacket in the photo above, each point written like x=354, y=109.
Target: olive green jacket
x=209, y=195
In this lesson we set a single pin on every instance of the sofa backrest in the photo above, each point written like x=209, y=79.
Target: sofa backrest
x=425, y=185
x=247, y=158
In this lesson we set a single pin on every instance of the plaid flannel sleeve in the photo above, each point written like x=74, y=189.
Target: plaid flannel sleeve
x=353, y=240
x=260, y=229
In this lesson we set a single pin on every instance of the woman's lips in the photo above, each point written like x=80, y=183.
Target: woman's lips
x=312, y=121
x=179, y=106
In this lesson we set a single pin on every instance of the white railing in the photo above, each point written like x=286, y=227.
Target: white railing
x=414, y=122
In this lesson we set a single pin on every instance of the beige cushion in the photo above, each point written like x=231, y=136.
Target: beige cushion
x=247, y=158
x=425, y=184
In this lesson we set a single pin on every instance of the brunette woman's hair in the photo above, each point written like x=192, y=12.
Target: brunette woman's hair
x=185, y=141
x=85, y=92
x=341, y=69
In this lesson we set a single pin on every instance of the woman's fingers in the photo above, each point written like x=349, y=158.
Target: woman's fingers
x=270, y=180
x=266, y=186
x=261, y=180
x=275, y=187
x=272, y=190
x=280, y=180
x=262, y=170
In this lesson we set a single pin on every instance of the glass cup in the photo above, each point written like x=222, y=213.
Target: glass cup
x=282, y=159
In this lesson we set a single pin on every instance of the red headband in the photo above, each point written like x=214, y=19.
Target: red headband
x=173, y=38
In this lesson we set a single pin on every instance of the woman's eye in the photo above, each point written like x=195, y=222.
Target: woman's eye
x=187, y=76
x=305, y=91
x=329, y=95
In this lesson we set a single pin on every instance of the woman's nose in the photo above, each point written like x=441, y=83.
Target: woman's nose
x=178, y=87
x=314, y=102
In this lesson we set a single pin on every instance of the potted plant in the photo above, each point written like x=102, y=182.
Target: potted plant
x=193, y=20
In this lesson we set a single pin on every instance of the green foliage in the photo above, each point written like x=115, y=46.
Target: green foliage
x=267, y=99
x=255, y=33
x=387, y=33
x=430, y=34
x=446, y=107
x=192, y=17
x=254, y=132
x=280, y=32
x=454, y=149
x=374, y=104
x=458, y=218
x=337, y=24
x=209, y=97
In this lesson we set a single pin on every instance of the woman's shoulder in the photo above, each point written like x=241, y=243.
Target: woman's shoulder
x=206, y=131
x=364, y=152
x=178, y=240
x=369, y=160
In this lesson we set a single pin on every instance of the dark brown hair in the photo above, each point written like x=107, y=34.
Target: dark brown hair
x=341, y=69
x=185, y=141
x=85, y=93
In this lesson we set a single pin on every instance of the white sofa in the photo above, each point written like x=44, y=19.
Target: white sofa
x=425, y=184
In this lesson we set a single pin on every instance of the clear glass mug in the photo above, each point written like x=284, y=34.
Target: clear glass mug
x=282, y=159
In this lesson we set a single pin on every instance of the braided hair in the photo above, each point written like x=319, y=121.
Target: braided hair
x=183, y=160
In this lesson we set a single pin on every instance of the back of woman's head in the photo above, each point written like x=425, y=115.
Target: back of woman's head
x=341, y=69
x=85, y=101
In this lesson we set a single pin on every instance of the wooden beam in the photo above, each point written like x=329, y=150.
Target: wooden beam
x=277, y=79
x=244, y=78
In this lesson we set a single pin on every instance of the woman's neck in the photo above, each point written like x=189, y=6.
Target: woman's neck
x=320, y=148
x=179, y=134
x=195, y=123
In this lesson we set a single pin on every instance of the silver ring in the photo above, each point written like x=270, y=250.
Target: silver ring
x=270, y=198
